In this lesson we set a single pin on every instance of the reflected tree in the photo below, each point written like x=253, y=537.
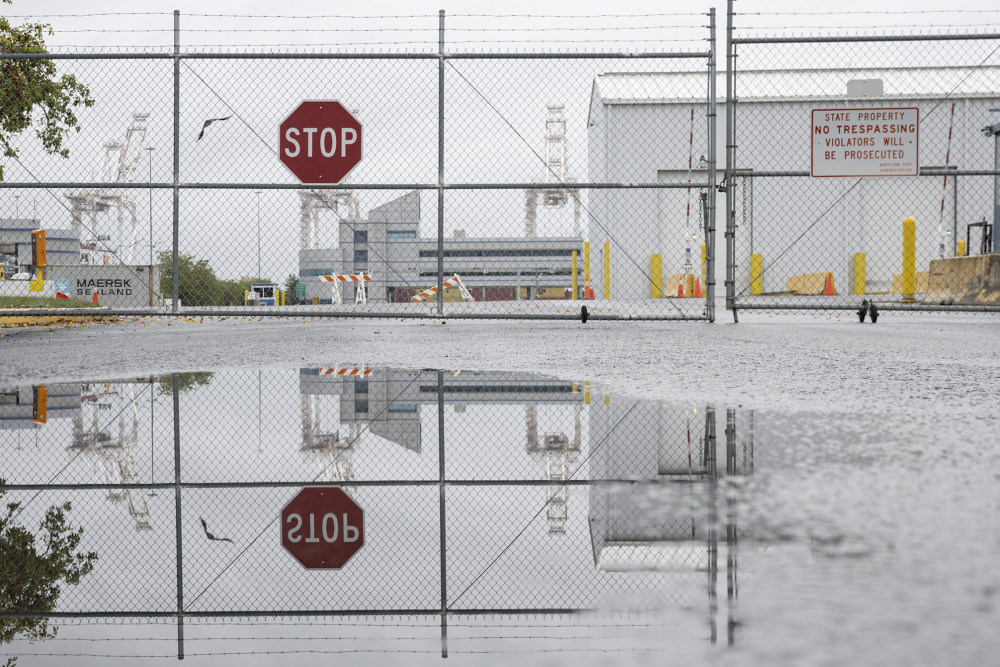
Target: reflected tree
x=34, y=567
x=185, y=382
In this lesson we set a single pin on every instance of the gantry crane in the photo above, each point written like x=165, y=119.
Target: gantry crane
x=552, y=184
x=557, y=454
x=119, y=163
x=110, y=453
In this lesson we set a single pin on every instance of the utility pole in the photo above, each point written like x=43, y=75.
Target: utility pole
x=149, y=152
x=994, y=131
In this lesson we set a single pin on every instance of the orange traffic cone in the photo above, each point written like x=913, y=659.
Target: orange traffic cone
x=697, y=288
x=588, y=290
x=680, y=290
x=94, y=299
x=828, y=290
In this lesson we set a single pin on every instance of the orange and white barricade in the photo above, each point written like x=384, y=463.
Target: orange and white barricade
x=360, y=294
x=451, y=282
x=356, y=370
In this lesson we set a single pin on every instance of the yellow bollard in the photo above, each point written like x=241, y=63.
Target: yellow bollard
x=909, y=259
x=704, y=269
x=607, y=270
x=656, y=276
x=586, y=392
x=37, y=284
x=688, y=284
x=586, y=262
x=756, y=274
x=961, y=249
x=576, y=286
x=860, y=286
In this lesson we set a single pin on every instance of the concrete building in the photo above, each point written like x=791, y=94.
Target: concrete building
x=388, y=247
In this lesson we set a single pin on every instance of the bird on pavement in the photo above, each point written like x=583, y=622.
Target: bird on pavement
x=873, y=311
x=863, y=311
x=210, y=535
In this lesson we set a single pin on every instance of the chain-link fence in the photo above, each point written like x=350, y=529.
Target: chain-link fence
x=484, y=494
x=858, y=172
x=522, y=185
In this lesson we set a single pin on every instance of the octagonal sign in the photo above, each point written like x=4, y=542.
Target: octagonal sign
x=322, y=527
x=320, y=142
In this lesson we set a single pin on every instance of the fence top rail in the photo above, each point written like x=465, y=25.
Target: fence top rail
x=866, y=38
x=305, y=55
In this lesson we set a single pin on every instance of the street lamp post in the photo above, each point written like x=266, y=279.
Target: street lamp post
x=149, y=152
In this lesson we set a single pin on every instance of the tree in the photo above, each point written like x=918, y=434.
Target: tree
x=31, y=570
x=32, y=96
x=291, y=282
x=196, y=281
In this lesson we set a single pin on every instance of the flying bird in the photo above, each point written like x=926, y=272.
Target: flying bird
x=873, y=311
x=210, y=535
x=209, y=122
x=863, y=311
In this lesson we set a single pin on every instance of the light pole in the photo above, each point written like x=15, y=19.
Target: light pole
x=257, y=192
x=17, y=206
x=149, y=153
x=994, y=131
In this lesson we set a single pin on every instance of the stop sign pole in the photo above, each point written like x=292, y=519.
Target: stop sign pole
x=320, y=142
x=322, y=527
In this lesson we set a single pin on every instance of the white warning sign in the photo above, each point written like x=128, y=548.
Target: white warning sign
x=865, y=142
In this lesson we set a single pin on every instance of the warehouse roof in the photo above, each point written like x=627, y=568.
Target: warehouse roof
x=796, y=84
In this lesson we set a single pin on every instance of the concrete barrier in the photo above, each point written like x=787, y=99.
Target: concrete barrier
x=919, y=282
x=809, y=283
x=966, y=281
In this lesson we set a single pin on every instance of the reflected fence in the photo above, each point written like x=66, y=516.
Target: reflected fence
x=489, y=499
x=484, y=185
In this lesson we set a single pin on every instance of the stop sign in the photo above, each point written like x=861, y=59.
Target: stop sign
x=320, y=142
x=322, y=527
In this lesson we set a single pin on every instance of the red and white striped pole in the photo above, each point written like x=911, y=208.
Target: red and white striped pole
x=944, y=187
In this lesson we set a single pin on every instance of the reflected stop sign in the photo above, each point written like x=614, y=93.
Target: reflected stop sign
x=322, y=527
x=320, y=142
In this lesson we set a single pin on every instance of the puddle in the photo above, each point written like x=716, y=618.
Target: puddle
x=497, y=513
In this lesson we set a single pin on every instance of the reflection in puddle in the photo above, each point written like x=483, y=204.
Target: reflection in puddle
x=502, y=511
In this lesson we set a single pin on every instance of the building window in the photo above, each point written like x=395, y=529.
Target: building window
x=409, y=234
x=402, y=407
x=360, y=256
x=360, y=236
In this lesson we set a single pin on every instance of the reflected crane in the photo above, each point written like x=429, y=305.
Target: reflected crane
x=332, y=454
x=118, y=166
x=557, y=454
x=109, y=453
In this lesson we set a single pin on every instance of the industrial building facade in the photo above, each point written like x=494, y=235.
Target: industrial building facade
x=387, y=247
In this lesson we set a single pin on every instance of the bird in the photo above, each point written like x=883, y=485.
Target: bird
x=863, y=311
x=873, y=311
x=207, y=123
x=583, y=314
x=210, y=535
